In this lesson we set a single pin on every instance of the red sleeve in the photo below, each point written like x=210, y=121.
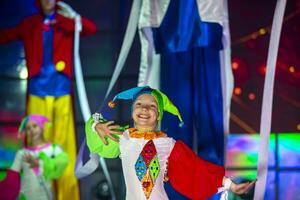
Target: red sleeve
x=192, y=176
x=88, y=27
x=67, y=24
x=10, y=186
x=11, y=34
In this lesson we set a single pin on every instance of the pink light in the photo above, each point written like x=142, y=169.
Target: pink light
x=251, y=96
x=235, y=65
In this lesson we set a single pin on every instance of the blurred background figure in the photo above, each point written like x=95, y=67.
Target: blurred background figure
x=38, y=161
x=48, y=43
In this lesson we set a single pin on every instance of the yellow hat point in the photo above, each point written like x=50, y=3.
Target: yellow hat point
x=60, y=65
x=111, y=104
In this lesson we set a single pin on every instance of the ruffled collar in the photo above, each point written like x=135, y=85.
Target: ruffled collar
x=37, y=148
x=147, y=135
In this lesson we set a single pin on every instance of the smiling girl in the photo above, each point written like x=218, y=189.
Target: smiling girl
x=149, y=157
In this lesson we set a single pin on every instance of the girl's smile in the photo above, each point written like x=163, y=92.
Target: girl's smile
x=145, y=113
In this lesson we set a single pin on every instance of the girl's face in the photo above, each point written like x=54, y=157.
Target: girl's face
x=145, y=113
x=33, y=131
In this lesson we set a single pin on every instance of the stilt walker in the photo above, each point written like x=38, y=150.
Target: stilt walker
x=48, y=43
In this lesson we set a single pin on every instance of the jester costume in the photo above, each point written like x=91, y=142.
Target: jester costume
x=48, y=45
x=150, y=158
x=34, y=183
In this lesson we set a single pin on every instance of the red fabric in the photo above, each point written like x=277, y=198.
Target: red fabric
x=192, y=176
x=30, y=32
x=10, y=186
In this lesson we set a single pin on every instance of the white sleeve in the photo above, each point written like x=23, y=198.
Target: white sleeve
x=57, y=149
x=94, y=126
x=17, y=164
x=97, y=117
x=212, y=11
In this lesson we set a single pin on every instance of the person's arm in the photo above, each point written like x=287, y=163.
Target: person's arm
x=10, y=186
x=54, y=166
x=101, y=138
x=66, y=20
x=192, y=176
x=11, y=34
x=68, y=25
x=88, y=27
x=197, y=178
x=239, y=189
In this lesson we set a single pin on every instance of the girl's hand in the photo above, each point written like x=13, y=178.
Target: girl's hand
x=242, y=188
x=33, y=162
x=106, y=130
x=66, y=10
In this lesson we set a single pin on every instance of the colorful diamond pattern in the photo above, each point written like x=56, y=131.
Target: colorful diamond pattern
x=154, y=168
x=147, y=167
x=140, y=168
x=148, y=152
x=147, y=184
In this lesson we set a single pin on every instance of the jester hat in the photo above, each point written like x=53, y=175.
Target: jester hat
x=163, y=102
x=39, y=119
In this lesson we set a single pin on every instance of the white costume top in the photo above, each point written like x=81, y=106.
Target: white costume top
x=131, y=149
x=33, y=184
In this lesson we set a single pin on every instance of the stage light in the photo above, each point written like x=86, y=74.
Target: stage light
x=298, y=127
x=235, y=65
x=262, y=31
x=251, y=96
x=240, y=70
x=291, y=69
x=237, y=91
x=262, y=70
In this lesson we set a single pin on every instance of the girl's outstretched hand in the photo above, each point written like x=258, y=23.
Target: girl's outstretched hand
x=106, y=129
x=242, y=188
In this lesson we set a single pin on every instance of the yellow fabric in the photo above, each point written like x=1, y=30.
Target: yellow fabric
x=59, y=110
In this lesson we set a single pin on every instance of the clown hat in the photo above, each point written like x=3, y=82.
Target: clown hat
x=41, y=120
x=163, y=102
